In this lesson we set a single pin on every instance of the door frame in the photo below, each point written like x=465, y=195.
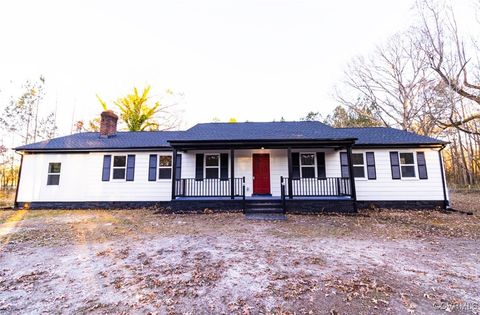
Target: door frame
x=269, y=177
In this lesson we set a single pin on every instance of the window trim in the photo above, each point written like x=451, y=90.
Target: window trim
x=50, y=173
x=205, y=165
x=364, y=165
x=164, y=167
x=119, y=167
x=415, y=165
x=314, y=164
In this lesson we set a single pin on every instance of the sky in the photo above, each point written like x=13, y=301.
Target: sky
x=253, y=60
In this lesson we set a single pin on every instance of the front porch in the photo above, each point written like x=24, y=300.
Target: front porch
x=296, y=176
x=324, y=187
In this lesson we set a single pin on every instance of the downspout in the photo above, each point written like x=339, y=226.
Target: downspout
x=15, y=203
x=446, y=202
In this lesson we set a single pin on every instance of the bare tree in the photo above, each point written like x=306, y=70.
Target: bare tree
x=397, y=81
x=454, y=59
x=427, y=80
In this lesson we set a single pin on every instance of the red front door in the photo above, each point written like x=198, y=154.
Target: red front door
x=261, y=174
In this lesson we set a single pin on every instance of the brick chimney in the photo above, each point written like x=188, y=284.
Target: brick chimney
x=108, y=124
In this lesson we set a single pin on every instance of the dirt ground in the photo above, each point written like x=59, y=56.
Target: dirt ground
x=93, y=261
x=6, y=197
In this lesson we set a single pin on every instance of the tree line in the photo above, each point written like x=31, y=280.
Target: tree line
x=425, y=80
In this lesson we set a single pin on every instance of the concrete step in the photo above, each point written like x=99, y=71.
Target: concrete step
x=264, y=210
x=265, y=217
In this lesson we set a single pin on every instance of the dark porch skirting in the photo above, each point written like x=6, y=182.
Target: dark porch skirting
x=199, y=205
x=304, y=205
x=319, y=206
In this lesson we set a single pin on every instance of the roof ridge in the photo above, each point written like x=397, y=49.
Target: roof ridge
x=151, y=131
x=259, y=122
x=370, y=127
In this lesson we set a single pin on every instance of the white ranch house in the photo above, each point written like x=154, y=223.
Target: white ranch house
x=265, y=167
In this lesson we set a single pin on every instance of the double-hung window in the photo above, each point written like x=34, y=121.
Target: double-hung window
x=358, y=162
x=307, y=165
x=212, y=166
x=119, y=167
x=407, y=164
x=164, y=166
x=53, y=177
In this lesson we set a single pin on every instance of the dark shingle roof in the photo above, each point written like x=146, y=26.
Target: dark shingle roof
x=92, y=141
x=299, y=130
x=386, y=136
x=304, y=130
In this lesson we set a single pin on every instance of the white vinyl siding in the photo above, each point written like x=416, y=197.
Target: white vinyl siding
x=85, y=183
x=81, y=179
x=385, y=188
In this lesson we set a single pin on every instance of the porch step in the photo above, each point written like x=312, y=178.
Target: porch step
x=265, y=217
x=263, y=207
x=263, y=210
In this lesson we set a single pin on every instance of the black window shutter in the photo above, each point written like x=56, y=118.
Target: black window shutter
x=107, y=161
x=371, y=172
x=344, y=164
x=295, y=165
x=152, y=168
x=199, y=166
x=224, y=166
x=422, y=166
x=178, y=169
x=130, y=167
x=395, y=165
x=321, y=173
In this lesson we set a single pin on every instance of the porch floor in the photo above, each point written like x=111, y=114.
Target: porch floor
x=272, y=198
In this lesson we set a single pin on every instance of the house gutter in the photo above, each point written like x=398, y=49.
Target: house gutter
x=15, y=203
x=446, y=202
x=95, y=150
x=398, y=145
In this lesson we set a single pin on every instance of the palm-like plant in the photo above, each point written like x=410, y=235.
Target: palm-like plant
x=135, y=111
